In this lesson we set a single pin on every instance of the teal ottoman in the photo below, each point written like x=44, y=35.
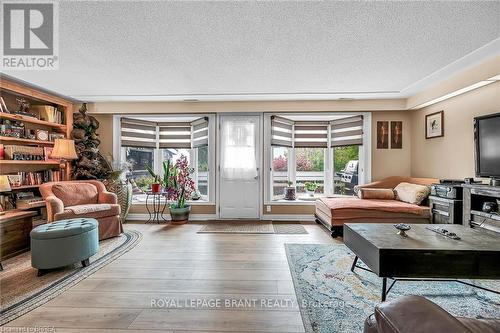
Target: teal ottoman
x=63, y=243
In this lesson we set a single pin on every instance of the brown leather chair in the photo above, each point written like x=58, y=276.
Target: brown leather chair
x=415, y=314
x=83, y=198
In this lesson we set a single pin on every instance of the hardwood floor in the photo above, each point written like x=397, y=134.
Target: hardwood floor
x=247, y=274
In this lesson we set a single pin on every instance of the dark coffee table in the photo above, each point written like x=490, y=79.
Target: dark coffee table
x=424, y=254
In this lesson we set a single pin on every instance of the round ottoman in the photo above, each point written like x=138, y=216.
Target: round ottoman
x=63, y=243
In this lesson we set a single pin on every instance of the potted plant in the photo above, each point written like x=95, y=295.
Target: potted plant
x=179, y=187
x=310, y=188
x=290, y=191
x=157, y=181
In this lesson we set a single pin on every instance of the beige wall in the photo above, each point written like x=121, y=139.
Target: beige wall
x=451, y=156
x=391, y=162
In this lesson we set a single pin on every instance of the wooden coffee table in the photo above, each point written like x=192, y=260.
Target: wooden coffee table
x=424, y=254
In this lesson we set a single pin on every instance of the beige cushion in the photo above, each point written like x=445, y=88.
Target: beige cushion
x=411, y=193
x=376, y=193
x=69, y=212
x=73, y=194
x=87, y=209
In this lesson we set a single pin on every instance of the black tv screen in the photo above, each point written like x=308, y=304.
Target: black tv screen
x=487, y=140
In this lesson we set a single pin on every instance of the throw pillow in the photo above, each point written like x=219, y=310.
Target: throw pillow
x=376, y=193
x=411, y=193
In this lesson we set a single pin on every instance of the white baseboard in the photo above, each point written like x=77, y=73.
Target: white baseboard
x=205, y=217
x=288, y=217
x=193, y=217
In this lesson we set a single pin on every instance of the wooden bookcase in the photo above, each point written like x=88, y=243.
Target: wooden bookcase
x=16, y=224
x=10, y=91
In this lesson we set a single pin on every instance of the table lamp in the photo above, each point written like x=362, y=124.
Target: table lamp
x=64, y=150
x=4, y=187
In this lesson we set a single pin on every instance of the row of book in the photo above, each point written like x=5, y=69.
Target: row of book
x=48, y=113
x=35, y=178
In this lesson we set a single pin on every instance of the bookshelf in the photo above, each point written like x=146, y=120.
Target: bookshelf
x=21, y=132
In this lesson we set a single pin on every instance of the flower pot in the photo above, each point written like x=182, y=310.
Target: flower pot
x=289, y=193
x=123, y=190
x=156, y=188
x=310, y=193
x=180, y=215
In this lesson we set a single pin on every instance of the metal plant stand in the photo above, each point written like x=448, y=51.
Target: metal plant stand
x=155, y=207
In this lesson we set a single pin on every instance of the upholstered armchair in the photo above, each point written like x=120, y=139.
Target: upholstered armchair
x=83, y=198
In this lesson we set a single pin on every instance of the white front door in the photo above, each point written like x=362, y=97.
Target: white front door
x=239, y=167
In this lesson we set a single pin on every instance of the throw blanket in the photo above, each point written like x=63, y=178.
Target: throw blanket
x=394, y=206
x=87, y=209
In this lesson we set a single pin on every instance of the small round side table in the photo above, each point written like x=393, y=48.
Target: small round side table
x=155, y=207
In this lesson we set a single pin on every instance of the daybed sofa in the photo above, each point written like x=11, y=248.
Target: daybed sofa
x=333, y=212
x=83, y=198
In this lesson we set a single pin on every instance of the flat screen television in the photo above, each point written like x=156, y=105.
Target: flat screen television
x=487, y=144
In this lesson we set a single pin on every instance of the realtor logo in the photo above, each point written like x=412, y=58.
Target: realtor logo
x=29, y=36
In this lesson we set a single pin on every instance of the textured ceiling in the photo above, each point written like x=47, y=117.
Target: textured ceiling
x=111, y=50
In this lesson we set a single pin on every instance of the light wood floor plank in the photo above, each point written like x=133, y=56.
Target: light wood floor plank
x=190, y=286
x=199, y=264
x=131, y=300
x=196, y=274
x=81, y=318
x=219, y=320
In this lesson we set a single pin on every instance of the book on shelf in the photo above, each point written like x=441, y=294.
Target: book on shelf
x=38, y=177
x=48, y=113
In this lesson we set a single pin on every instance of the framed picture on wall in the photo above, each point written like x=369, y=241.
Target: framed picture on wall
x=396, y=134
x=434, y=125
x=382, y=134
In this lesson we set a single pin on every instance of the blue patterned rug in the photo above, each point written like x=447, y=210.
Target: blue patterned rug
x=333, y=299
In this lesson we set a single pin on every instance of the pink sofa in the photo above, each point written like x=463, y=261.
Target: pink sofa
x=334, y=212
x=83, y=198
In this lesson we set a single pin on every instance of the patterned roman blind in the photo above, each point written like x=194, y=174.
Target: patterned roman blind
x=199, y=130
x=312, y=134
x=138, y=133
x=175, y=135
x=281, y=132
x=347, y=131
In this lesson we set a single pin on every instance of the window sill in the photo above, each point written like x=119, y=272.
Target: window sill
x=303, y=201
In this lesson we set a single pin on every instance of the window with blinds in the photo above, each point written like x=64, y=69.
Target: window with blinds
x=347, y=131
x=178, y=135
x=281, y=132
x=199, y=130
x=312, y=134
x=138, y=133
x=315, y=134
x=175, y=135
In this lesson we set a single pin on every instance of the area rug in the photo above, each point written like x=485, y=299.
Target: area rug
x=23, y=291
x=252, y=227
x=333, y=299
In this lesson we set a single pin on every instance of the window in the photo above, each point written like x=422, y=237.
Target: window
x=151, y=142
x=202, y=169
x=310, y=168
x=279, y=171
x=346, y=169
x=138, y=158
x=326, y=151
